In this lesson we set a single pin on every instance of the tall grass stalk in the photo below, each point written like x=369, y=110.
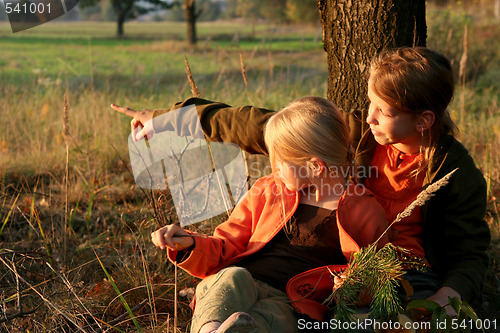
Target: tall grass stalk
x=91, y=69
x=34, y=215
x=66, y=136
x=244, y=153
x=196, y=93
x=6, y=218
x=194, y=89
x=421, y=199
x=244, y=72
x=463, y=59
x=120, y=295
x=150, y=289
x=88, y=216
x=462, y=74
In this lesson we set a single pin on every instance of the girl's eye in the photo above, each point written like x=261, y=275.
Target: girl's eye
x=387, y=114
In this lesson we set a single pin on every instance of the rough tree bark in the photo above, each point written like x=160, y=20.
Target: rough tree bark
x=355, y=31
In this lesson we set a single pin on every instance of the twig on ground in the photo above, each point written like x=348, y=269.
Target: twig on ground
x=71, y=289
x=47, y=301
x=23, y=314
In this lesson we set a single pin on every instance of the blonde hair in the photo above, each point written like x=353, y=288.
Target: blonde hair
x=309, y=127
x=413, y=80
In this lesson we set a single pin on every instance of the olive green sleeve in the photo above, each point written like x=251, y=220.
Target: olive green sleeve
x=220, y=122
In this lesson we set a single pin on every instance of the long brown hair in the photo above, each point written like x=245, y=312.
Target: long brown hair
x=413, y=80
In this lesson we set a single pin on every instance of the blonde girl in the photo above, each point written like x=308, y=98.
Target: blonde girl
x=304, y=215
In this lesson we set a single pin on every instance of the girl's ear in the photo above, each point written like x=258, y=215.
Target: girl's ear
x=317, y=166
x=425, y=120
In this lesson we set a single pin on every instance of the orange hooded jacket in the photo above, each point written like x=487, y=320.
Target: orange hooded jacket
x=261, y=214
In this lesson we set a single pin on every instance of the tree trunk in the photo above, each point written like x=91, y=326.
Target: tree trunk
x=355, y=31
x=120, y=21
x=122, y=9
x=190, y=16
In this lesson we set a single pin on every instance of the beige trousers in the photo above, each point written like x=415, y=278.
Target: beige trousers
x=233, y=289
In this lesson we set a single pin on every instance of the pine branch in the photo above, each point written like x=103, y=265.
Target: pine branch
x=376, y=273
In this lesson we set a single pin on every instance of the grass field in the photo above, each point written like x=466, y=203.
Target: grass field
x=104, y=267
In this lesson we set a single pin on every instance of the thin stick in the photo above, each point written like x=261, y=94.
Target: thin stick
x=175, y=296
x=72, y=290
x=18, y=289
x=244, y=153
x=196, y=93
x=191, y=235
x=45, y=299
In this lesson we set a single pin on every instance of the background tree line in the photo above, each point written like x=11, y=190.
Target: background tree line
x=276, y=11
x=192, y=11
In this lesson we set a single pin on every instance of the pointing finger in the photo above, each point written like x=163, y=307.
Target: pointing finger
x=122, y=109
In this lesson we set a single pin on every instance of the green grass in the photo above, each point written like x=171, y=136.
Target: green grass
x=99, y=71
x=107, y=212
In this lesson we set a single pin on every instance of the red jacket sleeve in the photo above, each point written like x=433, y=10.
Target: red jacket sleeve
x=229, y=240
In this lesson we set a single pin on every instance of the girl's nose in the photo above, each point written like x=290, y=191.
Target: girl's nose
x=370, y=119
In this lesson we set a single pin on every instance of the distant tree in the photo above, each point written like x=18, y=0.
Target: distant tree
x=273, y=10
x=108, y=12
x=193, y=11
x=210, y=10
x=247, y=9
x=176, y=14
x=92, y=13
x=230, y=9
x=191, y=15
x=270, y=10
x=301, y=11
x=126, y=9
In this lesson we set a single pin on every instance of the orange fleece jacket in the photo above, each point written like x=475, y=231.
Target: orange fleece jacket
x=258, y=217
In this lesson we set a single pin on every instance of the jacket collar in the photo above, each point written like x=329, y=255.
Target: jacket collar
x=367, y=145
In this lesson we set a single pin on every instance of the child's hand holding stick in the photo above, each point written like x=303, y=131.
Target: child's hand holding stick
x=173, y=237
